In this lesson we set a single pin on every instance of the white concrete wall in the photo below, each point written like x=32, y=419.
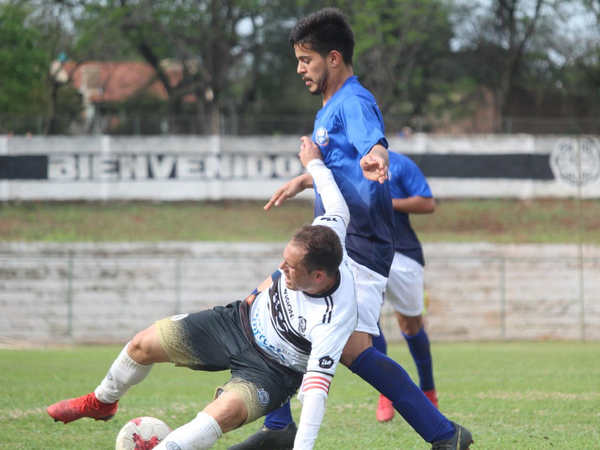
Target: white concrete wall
x=142, y=168
x=62, y=293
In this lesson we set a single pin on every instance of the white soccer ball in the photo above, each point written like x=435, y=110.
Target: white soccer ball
x=142, y=433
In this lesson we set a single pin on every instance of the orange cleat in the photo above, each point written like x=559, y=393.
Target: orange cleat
x=77, y=408
x=385, y=410
x=432, y=396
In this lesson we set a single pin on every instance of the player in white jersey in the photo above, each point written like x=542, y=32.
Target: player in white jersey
x=287, y=336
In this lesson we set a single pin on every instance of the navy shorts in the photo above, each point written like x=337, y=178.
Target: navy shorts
x=214, y=340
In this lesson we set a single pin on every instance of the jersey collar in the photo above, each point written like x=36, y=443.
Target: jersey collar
x=330, y=291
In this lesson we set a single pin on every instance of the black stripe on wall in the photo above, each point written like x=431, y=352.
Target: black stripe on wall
x=509, y=166
x=26, y=167
x=513, y=166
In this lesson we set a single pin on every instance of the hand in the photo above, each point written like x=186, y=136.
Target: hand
x=374, y=168
x=308, y=151
x=289, y=190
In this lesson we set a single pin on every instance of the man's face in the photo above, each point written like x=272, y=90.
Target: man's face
x=313, y=69
x=297, y=277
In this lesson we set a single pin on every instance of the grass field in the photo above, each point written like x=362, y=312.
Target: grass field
x=542, y=395
x=499, y=221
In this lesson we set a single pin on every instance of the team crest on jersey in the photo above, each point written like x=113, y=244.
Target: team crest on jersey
x=301, y=325
x=322, y=136
x=263, y=397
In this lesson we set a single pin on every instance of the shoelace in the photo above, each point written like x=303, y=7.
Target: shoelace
x=89, y=403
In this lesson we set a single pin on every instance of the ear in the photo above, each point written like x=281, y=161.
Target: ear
x=335, y=58
x=319, y=276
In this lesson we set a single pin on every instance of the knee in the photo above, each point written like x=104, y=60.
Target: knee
x=410, y=325
x=139, y=349
x=347, y=359
x=357, y=343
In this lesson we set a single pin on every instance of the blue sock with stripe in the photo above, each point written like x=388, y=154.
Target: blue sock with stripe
x=420, y=350
x=390, y=379
x=280, y=418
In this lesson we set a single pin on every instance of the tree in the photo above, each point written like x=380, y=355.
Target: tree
x=209, y=42
x=24, y=63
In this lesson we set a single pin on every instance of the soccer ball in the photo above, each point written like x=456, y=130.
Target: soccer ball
x=142, y=433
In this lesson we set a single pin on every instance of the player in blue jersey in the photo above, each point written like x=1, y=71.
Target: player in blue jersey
x=349, y=132
x=410, y=195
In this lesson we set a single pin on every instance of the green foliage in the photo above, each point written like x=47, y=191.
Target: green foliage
x=24, y=63
x=535, y=396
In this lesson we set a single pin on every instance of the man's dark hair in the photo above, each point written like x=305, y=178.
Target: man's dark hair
x=322, y=247
x=324, y=31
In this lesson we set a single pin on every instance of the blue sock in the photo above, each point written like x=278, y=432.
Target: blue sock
x=419, y=349
x=280, y=418
x=379, y=342
x=390, y=379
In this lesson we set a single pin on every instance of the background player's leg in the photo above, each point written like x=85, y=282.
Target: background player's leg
x=280, y=418
x=417, y=339
x=385, y=411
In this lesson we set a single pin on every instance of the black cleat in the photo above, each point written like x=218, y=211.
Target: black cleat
x=265, y=439
x=461, y=440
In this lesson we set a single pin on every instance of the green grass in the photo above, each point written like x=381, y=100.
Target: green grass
x=542, y=395
x=500, y=221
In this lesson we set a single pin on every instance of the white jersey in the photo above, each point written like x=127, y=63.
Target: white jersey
x=308, y=332
x=303, y=331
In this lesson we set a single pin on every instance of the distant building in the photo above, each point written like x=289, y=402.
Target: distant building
x=104, y=85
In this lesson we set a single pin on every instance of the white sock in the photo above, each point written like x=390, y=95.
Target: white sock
x=199, y=434
x=123, y=374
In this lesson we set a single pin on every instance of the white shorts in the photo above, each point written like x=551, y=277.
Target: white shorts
x=405, y=286
x=370, y=287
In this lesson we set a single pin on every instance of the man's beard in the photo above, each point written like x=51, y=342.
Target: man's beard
x=320, y=83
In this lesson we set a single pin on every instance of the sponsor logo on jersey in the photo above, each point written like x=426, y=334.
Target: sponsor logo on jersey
x=263, y=397
x=288, y=304
x=172, y=446
x=109, y=376
x=262, y=340
x=301, y=324
x=278, y=314
x=325, y=362
x=322, y=136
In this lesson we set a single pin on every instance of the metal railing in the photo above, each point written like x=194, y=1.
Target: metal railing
x=247, y=125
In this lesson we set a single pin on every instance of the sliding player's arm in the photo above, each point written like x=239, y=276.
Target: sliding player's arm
x=333, y=200
x=264, y=285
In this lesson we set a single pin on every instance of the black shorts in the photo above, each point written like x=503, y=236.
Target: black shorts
x=214, y=340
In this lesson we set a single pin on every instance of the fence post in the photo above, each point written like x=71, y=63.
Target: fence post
x=177, y=286
x=580, y=245
x=503, y=298
x=70, y=297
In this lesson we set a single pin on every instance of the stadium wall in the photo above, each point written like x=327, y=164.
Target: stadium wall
x=103, y=293
x=176, y=168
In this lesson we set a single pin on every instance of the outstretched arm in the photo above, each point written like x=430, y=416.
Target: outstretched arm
x=414, y=205
x=332, y=198
x=290, y=190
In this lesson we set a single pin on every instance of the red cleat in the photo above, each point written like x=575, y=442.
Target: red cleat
x=86, y=406
x=432, y=396
x=385, y=410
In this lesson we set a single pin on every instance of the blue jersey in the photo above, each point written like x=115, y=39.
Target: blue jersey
x=346, y=129
x=407, y=180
